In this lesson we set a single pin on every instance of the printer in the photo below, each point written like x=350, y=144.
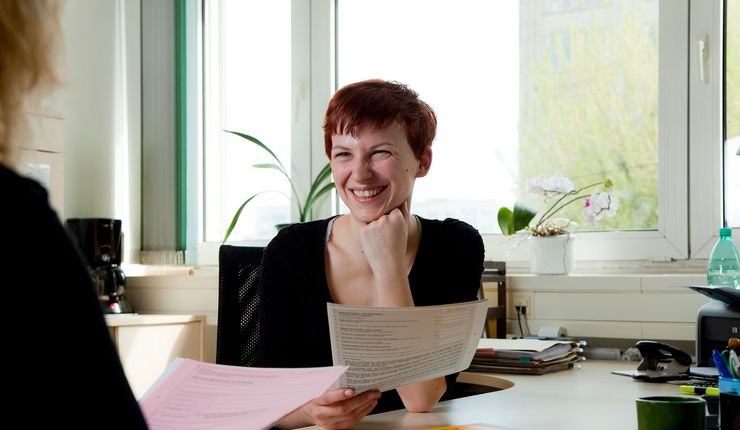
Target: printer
x=717, y=321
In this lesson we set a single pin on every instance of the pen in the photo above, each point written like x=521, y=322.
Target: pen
x=721, y=365
x=709, y=391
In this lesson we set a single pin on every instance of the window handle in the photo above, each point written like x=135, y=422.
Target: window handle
x=702, y=48
x=299, y=96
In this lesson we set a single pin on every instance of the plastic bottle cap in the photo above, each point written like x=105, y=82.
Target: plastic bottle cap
x=724, y=231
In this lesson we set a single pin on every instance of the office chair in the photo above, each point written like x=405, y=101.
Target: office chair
x=238, y=304
x=470, y=385
x=495, y=272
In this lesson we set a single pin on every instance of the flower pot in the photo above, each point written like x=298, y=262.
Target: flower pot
x=552, y=255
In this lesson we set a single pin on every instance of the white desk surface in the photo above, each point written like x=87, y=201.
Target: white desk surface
x=587, y=398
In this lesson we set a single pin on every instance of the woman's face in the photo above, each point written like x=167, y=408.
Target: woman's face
x=375, y=171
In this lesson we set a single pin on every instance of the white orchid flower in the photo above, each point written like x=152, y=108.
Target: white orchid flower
x=600, y=205
x=535, y=185
x=558, y=184
x=559, y=192
x=552, y=186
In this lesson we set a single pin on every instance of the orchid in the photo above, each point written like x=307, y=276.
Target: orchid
x=558, y=192
x=600, y=205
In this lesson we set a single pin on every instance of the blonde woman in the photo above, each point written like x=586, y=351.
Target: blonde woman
x=65, y=369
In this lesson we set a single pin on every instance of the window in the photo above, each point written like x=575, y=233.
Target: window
x=596, y=89
x=248, y=76
x=516, y=97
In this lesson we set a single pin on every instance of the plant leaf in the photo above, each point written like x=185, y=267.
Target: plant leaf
x=258, y=143
x=271, y=166
x=324, y=173
x=287, y=176
x=237, y=214
x=522, y=216
x=315, y=197
x=274, y=157
x=320, y=178
x=313, y=194
x=506, y=221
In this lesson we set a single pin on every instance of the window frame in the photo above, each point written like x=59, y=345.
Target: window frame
x=705, y=125
x=692, y=146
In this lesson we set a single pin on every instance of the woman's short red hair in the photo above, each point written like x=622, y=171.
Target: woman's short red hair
x=378, y=103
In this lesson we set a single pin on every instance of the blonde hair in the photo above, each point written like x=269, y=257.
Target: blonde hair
x=28, y=33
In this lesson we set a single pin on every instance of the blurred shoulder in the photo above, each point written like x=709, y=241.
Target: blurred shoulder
x=27, y=202
x=20, y=189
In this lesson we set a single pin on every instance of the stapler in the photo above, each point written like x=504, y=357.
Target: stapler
x=660, y=362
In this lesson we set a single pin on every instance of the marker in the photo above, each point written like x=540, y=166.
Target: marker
x=709, y=391
x=721, y=365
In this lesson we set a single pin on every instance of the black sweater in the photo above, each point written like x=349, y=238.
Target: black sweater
x=66, y=369
x=294, y=328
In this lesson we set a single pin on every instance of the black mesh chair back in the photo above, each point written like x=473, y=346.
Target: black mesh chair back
x=238, y=304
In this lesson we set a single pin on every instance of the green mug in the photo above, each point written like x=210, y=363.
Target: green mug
x=671, y=412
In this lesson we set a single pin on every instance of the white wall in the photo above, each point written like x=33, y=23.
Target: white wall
x=101, y=98
x=632, y=307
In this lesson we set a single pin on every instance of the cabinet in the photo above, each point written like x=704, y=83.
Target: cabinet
x=42, y=157
x=148, y=343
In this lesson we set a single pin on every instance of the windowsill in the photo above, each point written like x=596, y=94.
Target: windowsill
x=586, y=276
x=144, y=270
x=629, y=268
x=177, y=277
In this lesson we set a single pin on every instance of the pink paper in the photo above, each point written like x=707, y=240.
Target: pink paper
x=196, y=395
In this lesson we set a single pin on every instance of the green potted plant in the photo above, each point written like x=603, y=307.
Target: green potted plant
x=320, y=186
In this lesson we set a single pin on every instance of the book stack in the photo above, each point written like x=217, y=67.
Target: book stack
x=525, y=356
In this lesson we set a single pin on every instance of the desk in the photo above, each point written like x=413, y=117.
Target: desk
x=587, y=398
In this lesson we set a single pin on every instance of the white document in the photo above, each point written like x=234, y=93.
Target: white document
x=389, y=347
x=194, y=395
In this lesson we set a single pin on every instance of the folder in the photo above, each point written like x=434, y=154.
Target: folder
x=524, y=356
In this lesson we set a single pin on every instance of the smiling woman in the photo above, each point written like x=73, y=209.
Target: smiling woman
x=378, y=137
x=374, y=174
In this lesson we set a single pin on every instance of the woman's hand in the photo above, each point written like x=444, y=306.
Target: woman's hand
x=384, y=242
x=337, y=408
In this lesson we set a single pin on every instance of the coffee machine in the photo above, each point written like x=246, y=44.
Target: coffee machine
x=101, y=243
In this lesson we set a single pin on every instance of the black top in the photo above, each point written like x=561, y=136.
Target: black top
x=57, y=345
x=294, y=327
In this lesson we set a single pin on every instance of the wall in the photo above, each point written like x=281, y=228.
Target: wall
x=632, y=307
x=610, y=306
x=100, y=95
x=180, y=294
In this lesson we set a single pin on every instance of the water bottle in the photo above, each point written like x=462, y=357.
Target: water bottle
x=724, y=262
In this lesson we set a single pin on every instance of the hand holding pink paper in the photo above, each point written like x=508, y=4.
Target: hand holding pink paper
x=194, y=395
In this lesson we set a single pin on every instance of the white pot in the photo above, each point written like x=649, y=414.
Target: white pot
x=552, y=255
